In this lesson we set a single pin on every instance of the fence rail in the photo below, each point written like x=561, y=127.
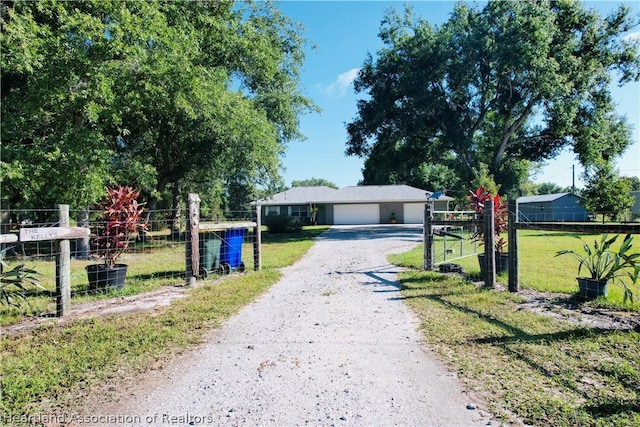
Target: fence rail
x=586, y=228
x=572, y=227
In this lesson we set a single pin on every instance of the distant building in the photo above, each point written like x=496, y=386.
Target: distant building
x=363, y=204
x=635, y=209
x=551, y=207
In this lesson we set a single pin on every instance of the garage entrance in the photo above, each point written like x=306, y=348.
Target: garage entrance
x=414, y=213
x=356, y=214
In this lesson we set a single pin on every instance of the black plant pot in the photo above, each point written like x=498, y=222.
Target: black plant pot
x=592, y=288
x=502, y=263
x=102, y=277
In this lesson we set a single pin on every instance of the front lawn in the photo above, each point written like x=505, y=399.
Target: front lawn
x=540, y=269
x=530, y=367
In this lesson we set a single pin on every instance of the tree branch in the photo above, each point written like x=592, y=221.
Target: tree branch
x=504, y=144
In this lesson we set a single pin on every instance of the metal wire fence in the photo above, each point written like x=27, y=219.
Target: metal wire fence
x=531, y=243
x=159, y=256
x=155, y=258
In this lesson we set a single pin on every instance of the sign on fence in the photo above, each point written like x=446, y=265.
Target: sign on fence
x=8, y=238
x=52, y=233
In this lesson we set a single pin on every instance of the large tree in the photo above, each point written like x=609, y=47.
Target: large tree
x=167, y=96
x=509, y=84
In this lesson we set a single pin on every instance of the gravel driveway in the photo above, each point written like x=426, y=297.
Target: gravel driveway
x=331, y=344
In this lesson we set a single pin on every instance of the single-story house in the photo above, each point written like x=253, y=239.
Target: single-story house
x=551, y=207
x=363, y=204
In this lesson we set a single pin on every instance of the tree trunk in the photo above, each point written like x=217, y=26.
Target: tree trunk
x=82, y=245
x=174, y=222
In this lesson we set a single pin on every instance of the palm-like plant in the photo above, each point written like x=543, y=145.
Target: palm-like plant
x=604, y=264
x=13, y=283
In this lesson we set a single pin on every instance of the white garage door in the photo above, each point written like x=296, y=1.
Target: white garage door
x=356, y=214
x=413, y=213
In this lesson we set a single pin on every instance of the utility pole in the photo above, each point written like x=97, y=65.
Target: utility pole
x=573, y=179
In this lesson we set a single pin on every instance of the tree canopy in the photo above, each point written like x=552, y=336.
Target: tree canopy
x=314, y=182
x=164, y=96
x=606, y=193
x=506, y=85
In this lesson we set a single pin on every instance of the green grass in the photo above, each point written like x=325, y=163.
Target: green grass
x=150, y=267
x=543, y=370
x=540, y=269
x=53, y=365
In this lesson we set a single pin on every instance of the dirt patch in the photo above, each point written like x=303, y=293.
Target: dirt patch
x=148, y=301
x=572, y=310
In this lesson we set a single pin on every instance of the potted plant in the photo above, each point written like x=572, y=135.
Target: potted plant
x=605, y=265
x=121, y=218
x=478, y=199
x=313, y=219
x=393, y=218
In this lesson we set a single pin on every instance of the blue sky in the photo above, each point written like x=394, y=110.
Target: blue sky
x=343, y=32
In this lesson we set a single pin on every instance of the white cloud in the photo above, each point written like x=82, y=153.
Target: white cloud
x=340, y=85
x=632, y=37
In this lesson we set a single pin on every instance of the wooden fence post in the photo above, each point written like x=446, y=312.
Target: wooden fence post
x=192, y=241
x=257, y=241
x=513, y=247
x=488, y=216
x=427, y=239
x=63, y=266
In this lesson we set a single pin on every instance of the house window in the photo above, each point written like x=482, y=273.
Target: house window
x=299, y=211
x=272, y=211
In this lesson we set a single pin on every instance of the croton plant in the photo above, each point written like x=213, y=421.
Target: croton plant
x=478, y=199
x=121, y=218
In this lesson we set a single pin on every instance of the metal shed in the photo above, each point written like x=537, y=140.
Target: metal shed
x=635, y=209
x=551, y=207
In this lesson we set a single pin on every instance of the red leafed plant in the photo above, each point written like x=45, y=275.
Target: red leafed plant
x=478, y=199
x=121, y=217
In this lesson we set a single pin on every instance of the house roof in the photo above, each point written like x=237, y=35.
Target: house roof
x=353, y=194
x=542, y=198
x=301, y=195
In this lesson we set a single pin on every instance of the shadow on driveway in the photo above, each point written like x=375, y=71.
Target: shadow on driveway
x=402, y=232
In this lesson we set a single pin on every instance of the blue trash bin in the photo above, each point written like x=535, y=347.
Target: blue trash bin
x=231, y=250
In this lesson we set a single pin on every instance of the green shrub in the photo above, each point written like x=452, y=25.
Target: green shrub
x=284, y=224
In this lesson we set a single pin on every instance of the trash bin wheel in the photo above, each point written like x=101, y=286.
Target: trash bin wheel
x=203, y=272
x=241, y=267
x=226, y=268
